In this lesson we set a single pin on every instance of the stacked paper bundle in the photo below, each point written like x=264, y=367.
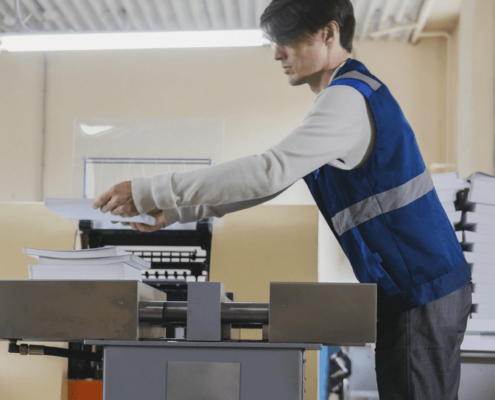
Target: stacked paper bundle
x=106, y=263
x=447, y=186
x=478, y=226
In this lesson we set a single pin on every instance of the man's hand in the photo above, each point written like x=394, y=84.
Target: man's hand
x=118, y=200
x=160, y=222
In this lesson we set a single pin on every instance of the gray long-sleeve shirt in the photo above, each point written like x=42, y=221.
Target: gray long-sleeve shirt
x=339, y=130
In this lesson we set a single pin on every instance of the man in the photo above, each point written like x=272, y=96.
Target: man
x=360, y=160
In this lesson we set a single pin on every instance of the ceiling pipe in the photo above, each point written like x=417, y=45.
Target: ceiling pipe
x=34, y=11
x=424, y=14
x=216, y=13
x=115, y=12
x=132, y=11
x=85, y=14
x=166, y=15
x=182, y=14
x=103, y=16
x=230, y=13
x=393, y=29
x=367, y=20
x=70, y=14
x=148, y=12
x=385, y=21
x=199, y=15
x=55, y=15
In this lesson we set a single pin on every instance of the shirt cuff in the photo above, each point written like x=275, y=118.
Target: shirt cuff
x=142, y=194
x=171, y=216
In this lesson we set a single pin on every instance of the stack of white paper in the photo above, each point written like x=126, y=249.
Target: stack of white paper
x=479, y=235
x=447, y=186
x=106, y=263
x=479, y=244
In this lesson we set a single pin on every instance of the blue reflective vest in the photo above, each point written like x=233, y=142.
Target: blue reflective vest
x=386, y=214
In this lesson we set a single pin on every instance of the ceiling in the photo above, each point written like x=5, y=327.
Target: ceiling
x=51, y=16
x=444, y=15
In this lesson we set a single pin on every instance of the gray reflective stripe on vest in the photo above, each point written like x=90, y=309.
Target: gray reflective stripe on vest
x=372, y=83
x=382, y=203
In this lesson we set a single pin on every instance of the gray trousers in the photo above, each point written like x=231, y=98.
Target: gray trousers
x=418, y=353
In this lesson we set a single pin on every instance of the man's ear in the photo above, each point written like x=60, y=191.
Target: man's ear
x=332, y=32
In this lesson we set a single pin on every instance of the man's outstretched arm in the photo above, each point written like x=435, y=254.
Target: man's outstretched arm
x=333, y=129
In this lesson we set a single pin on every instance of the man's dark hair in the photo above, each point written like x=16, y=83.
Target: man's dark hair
x=286, y=22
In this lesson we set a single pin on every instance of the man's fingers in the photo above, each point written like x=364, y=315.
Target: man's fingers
x=118, y=195
x=145, y=228
x=148, y=228
x=109, y=206
x=116, y=211
x=124, y=211
x=102, y=200
x=160, y=222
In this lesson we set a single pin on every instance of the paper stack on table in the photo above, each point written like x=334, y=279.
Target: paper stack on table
x=479, y=242
x=478, y=226
x=106, y=263
x=447, y=186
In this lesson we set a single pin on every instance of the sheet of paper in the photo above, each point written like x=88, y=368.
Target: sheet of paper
x=99, y=252
x=81, y=209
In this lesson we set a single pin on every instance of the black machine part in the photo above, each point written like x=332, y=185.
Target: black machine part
x=25, y=349
x=340, y=370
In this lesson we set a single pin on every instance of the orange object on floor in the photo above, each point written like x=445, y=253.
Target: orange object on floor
x=85, y=390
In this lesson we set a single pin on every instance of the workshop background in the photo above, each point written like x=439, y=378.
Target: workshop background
x=440, y=67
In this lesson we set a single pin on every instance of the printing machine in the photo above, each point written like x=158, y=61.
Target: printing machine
x=131, y=326
x=127, y=319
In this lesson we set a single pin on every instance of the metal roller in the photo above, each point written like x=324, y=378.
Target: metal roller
x=176, y=311
x=245, y=313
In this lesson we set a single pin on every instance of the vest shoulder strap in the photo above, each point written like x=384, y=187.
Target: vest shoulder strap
x=359, y=81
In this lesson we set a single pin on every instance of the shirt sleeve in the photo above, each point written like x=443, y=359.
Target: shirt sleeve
x=192, y=214
x=333, y=128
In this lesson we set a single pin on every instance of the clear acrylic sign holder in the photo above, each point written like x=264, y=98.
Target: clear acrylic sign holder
x=108, y=151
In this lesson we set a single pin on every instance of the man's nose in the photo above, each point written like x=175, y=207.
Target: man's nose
x=279, y=54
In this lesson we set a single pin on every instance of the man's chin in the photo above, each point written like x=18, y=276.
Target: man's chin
x=293, y=81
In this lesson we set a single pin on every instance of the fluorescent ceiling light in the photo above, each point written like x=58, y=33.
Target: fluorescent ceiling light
x=131, y=40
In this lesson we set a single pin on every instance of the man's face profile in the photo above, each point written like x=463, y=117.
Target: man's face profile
x=302, y=61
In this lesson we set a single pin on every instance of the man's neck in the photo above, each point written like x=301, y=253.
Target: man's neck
x=326, y=76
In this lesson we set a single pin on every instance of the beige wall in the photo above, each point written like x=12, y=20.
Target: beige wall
x=243, y=86
x=416, y=77
x=30, y=225
x=476, y=87
x=21, y=106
